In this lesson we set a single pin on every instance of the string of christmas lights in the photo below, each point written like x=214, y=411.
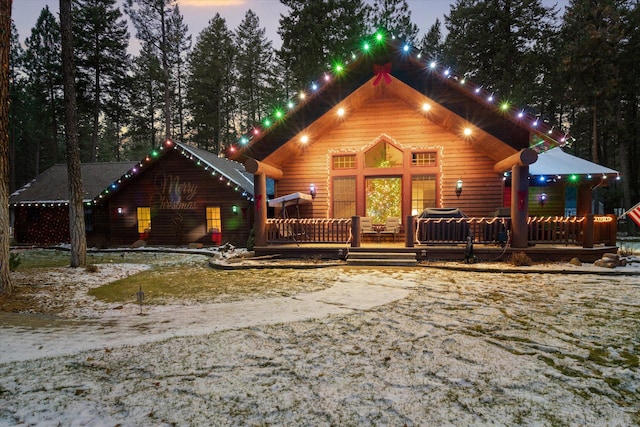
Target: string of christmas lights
x=547, y=135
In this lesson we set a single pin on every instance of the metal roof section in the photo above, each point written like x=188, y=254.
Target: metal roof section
x=231, y=170
x=51, y=187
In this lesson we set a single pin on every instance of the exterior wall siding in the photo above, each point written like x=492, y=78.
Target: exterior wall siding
x=390, y=118
x=178, y=193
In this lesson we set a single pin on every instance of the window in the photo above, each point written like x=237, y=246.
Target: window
x=344, y=197
x=144, y=220
x=344, y=161
x=423, y=193
x=423, y=159
x=383, y=155
x=214, y=222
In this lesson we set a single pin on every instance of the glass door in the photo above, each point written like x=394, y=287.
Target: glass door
x=383, y=198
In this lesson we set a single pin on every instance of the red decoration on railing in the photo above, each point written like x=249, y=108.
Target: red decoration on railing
x=382, y=72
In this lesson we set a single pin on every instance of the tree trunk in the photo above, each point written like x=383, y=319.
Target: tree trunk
x=76, y=210
x=594, y=135
x=6, y=285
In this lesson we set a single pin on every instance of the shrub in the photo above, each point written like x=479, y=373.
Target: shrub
x=520, y=259
x=14, y=261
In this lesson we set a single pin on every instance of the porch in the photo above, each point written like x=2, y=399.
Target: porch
x=431, y=239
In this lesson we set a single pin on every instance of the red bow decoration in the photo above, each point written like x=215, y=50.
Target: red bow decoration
x=382, y=72
x=258, y=201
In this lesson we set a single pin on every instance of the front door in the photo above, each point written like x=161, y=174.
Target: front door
x=383, y=198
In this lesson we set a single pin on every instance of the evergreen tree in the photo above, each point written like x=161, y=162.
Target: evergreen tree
x=151, y=19
x=101, y=51
x=497, y=42
x=628, y=118
x=43, y=60
x=315, y=34
x=593, y=34
x=146, y=103
x=393, y=16
x=210, y=89
x=18, y=114
x=180, y=43
x=432, y=42
x=254, y=67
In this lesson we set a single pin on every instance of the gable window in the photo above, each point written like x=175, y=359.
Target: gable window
x=426, y=158
x=144, y=219
x=214, y=222
x=383, y=155
x=344, y=197
x=344, y=161
x=423, y=193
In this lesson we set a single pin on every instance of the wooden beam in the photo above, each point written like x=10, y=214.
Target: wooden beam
x=258, y=168
x=524, y=157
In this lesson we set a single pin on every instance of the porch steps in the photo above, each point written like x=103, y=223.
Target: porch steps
x=396, y=259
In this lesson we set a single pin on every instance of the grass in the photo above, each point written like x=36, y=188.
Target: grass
x=199, y=283
x=48, y=258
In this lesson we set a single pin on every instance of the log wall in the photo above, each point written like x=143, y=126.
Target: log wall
x=390, y=118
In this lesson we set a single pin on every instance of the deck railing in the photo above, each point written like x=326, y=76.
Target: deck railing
x=582, y=231
x=308, y=230
x=448, y=231
x=594, y=229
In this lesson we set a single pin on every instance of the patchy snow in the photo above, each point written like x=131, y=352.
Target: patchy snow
x=420, y=346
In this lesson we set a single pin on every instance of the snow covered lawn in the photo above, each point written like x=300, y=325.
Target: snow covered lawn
x=397, y=347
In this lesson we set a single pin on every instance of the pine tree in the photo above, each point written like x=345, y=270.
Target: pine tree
x=254, y=66
x=180, y=43
x=102, y=40
x=497, y=42
x=151, y=19
x=315, y=35
x=592, y=32
x=393, y=16
x=145, y=103
x=211, y=83
x=43, y=61
x=431, y=43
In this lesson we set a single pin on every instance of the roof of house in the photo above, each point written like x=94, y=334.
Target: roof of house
x=389, y=62
x=52, y=185
x=557, y=162
x=99, y=180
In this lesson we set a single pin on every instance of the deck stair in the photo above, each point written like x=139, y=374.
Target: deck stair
x=396, y=259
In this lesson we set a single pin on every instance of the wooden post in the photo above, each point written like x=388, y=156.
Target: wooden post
x=355, y=231
x=584, y=199
x=587, y=237
x=260, y=203
x=519, y=206
x=613, y=230
x=409, y=231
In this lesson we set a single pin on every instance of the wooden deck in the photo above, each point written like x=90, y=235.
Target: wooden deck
x=482, y=253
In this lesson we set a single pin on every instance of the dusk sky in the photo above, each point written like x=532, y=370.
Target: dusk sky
x=197, y=13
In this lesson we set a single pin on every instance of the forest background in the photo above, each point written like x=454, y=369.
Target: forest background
x=577, y=70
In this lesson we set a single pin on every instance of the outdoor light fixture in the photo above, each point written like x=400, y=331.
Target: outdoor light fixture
x=312, y=191
x=234, y=209
x=120, y=212
x=459, y=187
x=542, y=199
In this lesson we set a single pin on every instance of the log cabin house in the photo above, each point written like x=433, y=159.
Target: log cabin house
x=392, y=135
x=176, y=195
